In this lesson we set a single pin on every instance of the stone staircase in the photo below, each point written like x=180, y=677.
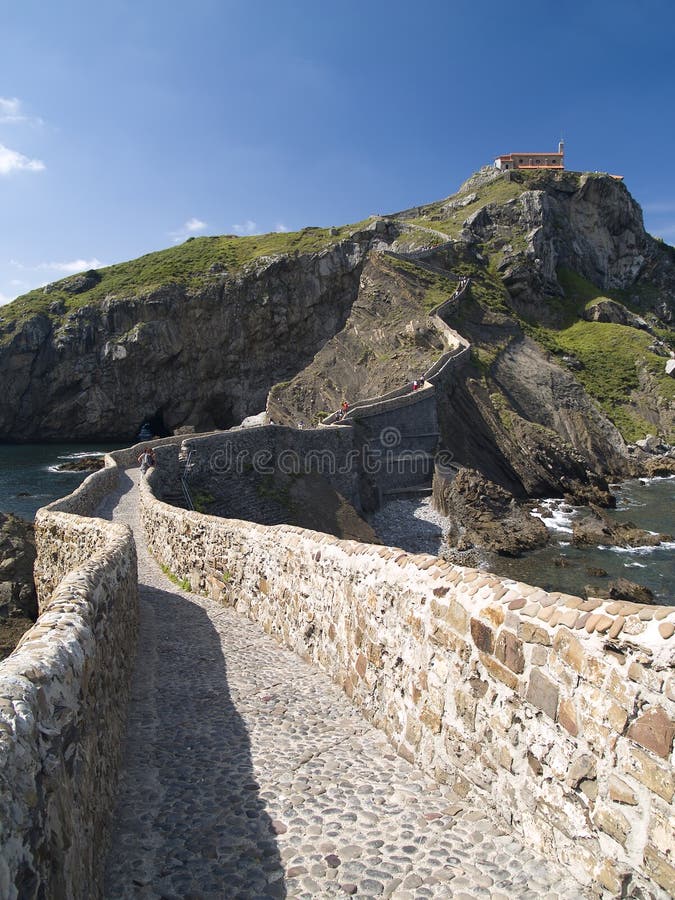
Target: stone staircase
x=399, y=430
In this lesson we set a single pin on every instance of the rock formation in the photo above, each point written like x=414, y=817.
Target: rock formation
x=487, y=517
x=18, y=601
x=569, y=317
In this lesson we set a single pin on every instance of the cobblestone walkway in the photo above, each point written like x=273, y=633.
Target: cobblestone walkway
x=248, y=774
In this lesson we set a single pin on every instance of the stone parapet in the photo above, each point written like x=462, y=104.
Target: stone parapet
x=63, y=694
x=559, y=711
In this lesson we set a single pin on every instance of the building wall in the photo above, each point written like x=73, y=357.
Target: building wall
x=565, y=728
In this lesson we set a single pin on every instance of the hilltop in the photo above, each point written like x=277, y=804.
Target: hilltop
x=569, y=317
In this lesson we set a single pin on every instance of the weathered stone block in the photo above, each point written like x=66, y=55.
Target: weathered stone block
x=654, y=730
x=567, y=717
x=659, y=869
x=569, y=649
x=498, y=671
x=613, y=823
x=589, y=788
x=662, y=833
x=539, y=655
x=617, y=717
x=658, y=778
x=620, y=792
x=623, y=691
x=509, y=650
x=611, y=877
x=466, y=708
x=361, y=665
x=493, y=613
x=533, y=634
x=543, y=694
x=583, y=766
x=483, y=636
x=457, y=616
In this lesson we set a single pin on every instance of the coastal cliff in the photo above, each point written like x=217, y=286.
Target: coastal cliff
x=569, y=317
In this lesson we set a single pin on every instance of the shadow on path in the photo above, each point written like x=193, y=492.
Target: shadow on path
x=189, y=820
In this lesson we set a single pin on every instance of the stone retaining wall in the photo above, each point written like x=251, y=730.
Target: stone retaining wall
x=559, y=711
x=221, y=462
x=63, y=695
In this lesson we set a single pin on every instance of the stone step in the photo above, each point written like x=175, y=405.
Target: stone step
x=421, y=491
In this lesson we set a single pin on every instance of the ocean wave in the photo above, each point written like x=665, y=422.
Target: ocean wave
x=82, y=454
x=639, y=551
x=557, y=515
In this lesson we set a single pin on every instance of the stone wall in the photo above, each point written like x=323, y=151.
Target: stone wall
x=63, y=695
x=559, y=711
x=224, y=465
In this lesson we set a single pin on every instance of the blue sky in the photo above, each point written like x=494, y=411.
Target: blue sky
x=127, y=126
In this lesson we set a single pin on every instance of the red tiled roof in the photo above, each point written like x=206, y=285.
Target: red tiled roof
x=510, y=155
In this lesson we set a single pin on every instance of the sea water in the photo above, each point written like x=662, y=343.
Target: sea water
x=648, y=503
x=29, y=477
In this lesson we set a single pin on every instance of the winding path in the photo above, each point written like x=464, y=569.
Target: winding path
x=248, y=774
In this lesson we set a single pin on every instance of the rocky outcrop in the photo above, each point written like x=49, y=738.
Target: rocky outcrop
x=596, y=529
x=487, y=517
x=18, y=600
x=305, y=330
x=623, y=589
x=17, y=558
x=83, y=464
x=589, y=224
x=175, y=355
x=387, y=341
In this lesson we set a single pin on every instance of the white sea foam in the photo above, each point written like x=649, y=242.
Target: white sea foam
x=557, y=515
x=640, y=551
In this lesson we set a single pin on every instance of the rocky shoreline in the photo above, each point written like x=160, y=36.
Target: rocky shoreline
x=18, y=600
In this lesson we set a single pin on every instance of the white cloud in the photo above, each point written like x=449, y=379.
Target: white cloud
x=11, y=112
x=188, y=229
x=5, y=299
x=75, y=265
x=281, y=228
x=13, y=161
x=193, y=225
x=248, y=227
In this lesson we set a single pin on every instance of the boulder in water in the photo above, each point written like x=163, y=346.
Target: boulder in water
x=623, y=589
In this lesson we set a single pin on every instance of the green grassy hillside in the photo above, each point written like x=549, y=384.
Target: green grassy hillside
x=187, y=264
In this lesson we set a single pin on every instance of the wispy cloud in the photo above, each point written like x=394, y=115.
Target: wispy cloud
x=11, y=113
x=5, y=299
x=13, y=161
x=67, y=268
x=247, y=227
x=73, y=266
x=188, y=229
x=281, y=228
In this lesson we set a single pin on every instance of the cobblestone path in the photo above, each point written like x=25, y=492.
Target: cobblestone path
x=248, y=774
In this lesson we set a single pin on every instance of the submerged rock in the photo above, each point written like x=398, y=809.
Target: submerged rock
x=83, y=464
x=623, y=589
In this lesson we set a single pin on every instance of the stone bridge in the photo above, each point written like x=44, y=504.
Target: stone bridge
x=311, y=717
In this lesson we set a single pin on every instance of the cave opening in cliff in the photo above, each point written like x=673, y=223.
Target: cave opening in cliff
x=157, y=425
